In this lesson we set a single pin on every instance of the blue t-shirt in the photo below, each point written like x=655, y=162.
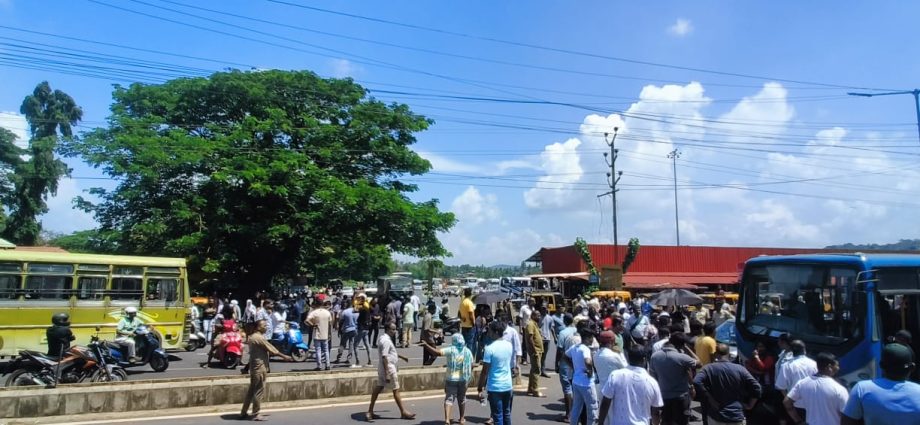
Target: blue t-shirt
x=883, y=401
x=498, y=356
x=348, y=321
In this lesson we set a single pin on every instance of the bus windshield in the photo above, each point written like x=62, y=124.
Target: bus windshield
x=815, y=303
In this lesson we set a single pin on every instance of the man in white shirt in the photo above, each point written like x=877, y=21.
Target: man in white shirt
x=524, y=316
x=511, y=335
x=631, y=395
x=415, y=301
x=796, y=369
x=820, y=395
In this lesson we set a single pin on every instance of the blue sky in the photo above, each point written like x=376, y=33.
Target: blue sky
x=782, y=157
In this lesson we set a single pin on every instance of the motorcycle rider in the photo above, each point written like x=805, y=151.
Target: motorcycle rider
x=125, y=332
x=59, y=334
x=226, y=325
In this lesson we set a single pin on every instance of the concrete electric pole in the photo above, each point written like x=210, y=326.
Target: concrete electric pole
x=613, y=177
x=673, y=155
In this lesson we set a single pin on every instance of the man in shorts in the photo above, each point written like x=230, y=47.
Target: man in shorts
x=387, y=373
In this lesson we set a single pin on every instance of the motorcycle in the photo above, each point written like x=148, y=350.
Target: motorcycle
x=451, y=326
x=293, y=344
x=77, y=364
x=109, y=371
x=147, y=347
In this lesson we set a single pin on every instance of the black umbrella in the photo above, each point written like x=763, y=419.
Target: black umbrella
x=675, y=297
x=490, y=297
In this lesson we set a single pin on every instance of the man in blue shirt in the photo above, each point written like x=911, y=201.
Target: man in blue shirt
x=496, y=372
x=348, y=326
x=891, y=399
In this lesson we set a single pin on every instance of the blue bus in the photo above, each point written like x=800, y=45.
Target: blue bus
x=849, y=305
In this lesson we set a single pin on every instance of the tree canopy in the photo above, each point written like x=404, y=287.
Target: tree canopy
x=50, y=114
x=259, y=175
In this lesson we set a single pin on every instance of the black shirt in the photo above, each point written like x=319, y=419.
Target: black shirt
x=731, y=385
x=59, y=338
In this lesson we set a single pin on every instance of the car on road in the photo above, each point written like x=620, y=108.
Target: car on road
x=348, y=292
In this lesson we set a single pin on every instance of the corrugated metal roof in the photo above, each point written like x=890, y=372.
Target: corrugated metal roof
x=694, y=279
x=658, y=258
x=658, y=286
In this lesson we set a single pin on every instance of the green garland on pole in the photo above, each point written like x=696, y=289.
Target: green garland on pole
x=631, y=253
x=582, y=248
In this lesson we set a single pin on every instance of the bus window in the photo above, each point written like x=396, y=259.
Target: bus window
x=127, y=288
x=9, y=287
x=91, y=288
x=48, y=287
x=162, y=289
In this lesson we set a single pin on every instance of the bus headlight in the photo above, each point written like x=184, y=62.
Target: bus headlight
x=867, y=371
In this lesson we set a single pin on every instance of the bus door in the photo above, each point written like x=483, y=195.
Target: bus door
x=899, y=303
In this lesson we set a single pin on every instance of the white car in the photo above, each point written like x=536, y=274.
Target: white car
x=348, y=292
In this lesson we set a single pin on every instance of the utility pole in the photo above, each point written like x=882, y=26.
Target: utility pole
x=674, y=155
x=613, y=177
x=915, y=92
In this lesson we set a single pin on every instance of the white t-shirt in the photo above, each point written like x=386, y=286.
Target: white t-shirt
x=579, y=354
x=633, y=393
x=280, y=325
x=415, y=301
x=525, y=314
x=511, y=335
x=822, y=398
x=795, y=370
x=606, y=361
x=656, y=347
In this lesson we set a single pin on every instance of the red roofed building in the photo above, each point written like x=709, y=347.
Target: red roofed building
x=659, y=267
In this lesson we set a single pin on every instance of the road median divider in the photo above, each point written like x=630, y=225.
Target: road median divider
x=179, y=393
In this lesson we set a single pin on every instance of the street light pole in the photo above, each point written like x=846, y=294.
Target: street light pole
x=914, y=92
x=673, y=155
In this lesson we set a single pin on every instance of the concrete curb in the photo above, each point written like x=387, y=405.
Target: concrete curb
x=209, y=393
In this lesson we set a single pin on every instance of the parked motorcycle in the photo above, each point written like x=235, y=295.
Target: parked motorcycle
x=77, y=364
x=147, y=348
x=108, y=370
x=293, y=344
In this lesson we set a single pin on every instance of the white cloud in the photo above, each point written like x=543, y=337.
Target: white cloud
x=342, y=68
x=16, y=123
x=681, y=27
x=561, y=163
x=62, y=216
x=510, y=247
x=447, y=165
x=474, y=207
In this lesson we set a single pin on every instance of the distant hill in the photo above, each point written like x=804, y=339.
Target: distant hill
x=902, y=245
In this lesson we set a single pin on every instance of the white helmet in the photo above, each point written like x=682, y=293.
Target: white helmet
x=130, y=310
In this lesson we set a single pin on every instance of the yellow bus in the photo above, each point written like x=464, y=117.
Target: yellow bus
x=94, y=290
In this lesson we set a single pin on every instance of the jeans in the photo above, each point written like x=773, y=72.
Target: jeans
x=208, y=330
x=565, y=377
x=468, y=338
x=675, y=411
x=361, y=338
x=347, y=343
x=322, y=353
x=500, y=407
x=583, y=398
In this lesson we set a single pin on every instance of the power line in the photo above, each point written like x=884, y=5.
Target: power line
x=573, y=52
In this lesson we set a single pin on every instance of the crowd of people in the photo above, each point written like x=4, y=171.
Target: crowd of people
x=617, y=362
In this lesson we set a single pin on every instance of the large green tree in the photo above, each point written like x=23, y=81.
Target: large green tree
x=10, y=158
x=256, y=175
x=51, y=115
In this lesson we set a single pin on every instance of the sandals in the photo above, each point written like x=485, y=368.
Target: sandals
x=407, y=416
x=370, y=417
x=536, y=394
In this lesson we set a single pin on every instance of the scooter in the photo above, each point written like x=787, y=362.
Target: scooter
x=230, y=350
x=147, y=347
x=196, y=338
x=293, y=344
